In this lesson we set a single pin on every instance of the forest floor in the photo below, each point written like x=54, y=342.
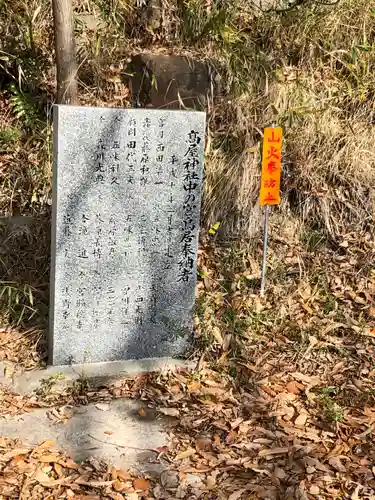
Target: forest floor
x=281, y=403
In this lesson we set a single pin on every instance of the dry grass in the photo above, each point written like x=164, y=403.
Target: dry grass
x=309, y=69
x=312, y=74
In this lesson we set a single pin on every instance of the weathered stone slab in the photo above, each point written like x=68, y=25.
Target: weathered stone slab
x=113, y=431
x=172, y=82
x=126, y=202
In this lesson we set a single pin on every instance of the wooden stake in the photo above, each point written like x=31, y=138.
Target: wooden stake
x=265, y=246
x=67, y=89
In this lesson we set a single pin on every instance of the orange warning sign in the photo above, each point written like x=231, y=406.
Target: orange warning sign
x=271, y=166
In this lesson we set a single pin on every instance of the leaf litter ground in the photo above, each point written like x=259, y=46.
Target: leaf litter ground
x=281, y=403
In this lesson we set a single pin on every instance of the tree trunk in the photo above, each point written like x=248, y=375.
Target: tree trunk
x=67, y=89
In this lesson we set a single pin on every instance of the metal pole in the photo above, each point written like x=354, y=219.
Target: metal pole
x=265, y=246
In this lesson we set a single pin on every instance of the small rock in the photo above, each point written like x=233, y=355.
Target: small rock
x=169, y=479
x=169, y=412
x=165, y=81
x=102, y=406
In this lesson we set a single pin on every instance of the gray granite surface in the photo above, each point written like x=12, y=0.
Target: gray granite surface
x=126, y=202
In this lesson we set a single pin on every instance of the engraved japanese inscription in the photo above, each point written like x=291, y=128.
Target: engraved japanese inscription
x=127, y=191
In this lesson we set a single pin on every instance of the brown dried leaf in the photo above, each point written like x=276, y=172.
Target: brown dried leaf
x=118, y=485
x=45, y=445
x=185, y=454
x=141, y=484
x=203, y=444
x=49, y=458
x=294, y=387
x=217, y=334
x=194, y=386
x=300, y=421
x=273, y=451
x=59, y=470
x=131, y=496
x=13, y=453
x=94, y=484
x=17, y=461
x=211, y=482
x=42, y=477
x=314, y=490
x=70, y=464
x=237, y=494
x=336, y=463
x=236, y=423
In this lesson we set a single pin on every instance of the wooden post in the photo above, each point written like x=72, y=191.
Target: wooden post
x=67, y=89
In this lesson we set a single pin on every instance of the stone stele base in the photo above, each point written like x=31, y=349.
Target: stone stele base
x=96, y=373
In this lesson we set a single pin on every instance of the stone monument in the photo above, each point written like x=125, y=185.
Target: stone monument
x=126, y=201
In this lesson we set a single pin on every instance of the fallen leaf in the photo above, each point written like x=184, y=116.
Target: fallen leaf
x=175, y=389
x=210, y=482
x=94, y=484
x=335, y=462
x=370, y=414
x=294, y=387
x=18, y=461
x=141, y=484
x=217, y=334
x=194, y=386
x=355, y=493
x=49, y=458
x=314, y=490
x=300, y=421
x=13, y=453
x=310, y=380
x=236, y=423
x=237, y=494
x=280, y=473
x=184, y=454
x=226, y=342
x=273, y=451
x=118, y=485
x=203, y=444
x=58, y=469
x=142, y=412
x=123, y=475
x=41, y=477
x=70, y=464
x=131, y=496
x=214, y=391
x=45, y=445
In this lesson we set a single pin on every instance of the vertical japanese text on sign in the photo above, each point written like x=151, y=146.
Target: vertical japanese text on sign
x=271, y=167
